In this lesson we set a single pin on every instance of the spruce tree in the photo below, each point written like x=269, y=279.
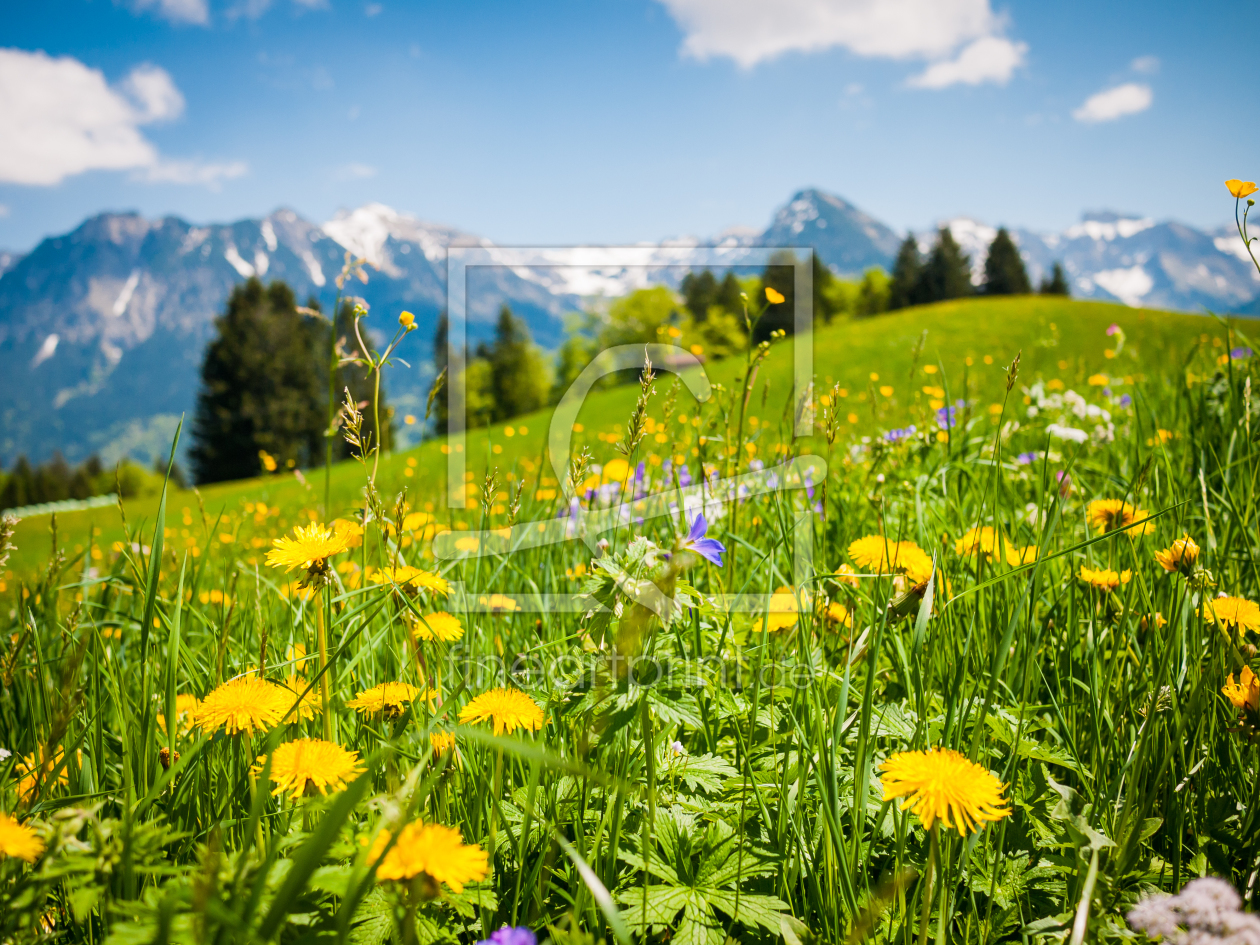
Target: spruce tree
x=947, y=273
x=1056, y=283
x=261, y=386
x=518, y=376
x=699, y=292
x=903, y=289
x=1004, y=272
x=824, y=309
x=730, y=296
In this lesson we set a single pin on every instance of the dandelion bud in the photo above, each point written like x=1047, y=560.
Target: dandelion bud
x=407, y=320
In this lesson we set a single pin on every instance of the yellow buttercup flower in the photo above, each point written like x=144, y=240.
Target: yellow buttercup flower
x=185, y=708
x=310, y=547
x=1104, y=578
x=506, y=709
x=35, y=769
x=438, y=626
x=245, y=704
x=846, y=575
x=310, y=704
x=1240, y=188
x=437, y=851
x=1179, y=556
x=392, y=698
x=943, y=784
x=1017, y=556
x=774, y=297
x=1107, y=515
x=310, y=765
x=407, y=320
x=1244, y=694
x=18, y=840
x=410, y=578
x=1237, y=612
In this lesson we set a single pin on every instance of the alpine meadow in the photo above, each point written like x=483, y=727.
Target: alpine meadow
x=952, y=643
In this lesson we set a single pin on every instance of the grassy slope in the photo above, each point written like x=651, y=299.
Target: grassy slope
x=1058, y=338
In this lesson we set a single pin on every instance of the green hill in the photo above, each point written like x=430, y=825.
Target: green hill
x=966, y=346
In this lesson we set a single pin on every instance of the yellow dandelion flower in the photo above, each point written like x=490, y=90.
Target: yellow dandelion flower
x=352, y=532
x=1236, y=612
x=875, y=553
x=185, y=709
x=1179, y=556
x=392, y=698
x=410, y=578
x=18, y=840
x=507, y=709
x=309, y=765
x=983, y=540
x=442, y=742
x=310, y=548
x=1244, y=694
x=35, y=769
x=838, y=614
x=782, y=612
x=309, y=705
x=1104, y=578
x=437, y=851
x=244, y=704
x=1107, y=515
x=1240, y=188
x=295, y=653
x=942, y=784
x=438, y=626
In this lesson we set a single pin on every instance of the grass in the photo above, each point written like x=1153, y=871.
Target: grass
x=702, y=773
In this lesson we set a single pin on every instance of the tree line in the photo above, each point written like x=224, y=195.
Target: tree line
x=945, y=273
x=56, y=480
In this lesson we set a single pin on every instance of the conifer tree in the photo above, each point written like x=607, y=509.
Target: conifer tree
x=699, y=292
x=779, y=275
x=1056, y=283
x=1004, y=272
x=518, y=375
x=903, y=288
x=261, y=386
x=947, y=273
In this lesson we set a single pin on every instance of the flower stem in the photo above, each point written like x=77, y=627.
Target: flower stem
x=926, y=914
x=325, y=686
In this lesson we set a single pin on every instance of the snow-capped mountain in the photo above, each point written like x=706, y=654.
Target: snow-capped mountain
x=1129, y=259
x=102, y=329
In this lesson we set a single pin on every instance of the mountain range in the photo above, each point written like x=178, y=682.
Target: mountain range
x=102, y=329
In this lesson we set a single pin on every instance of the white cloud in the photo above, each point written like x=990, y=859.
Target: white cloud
x=209, y=174
x=178, y=11
x=1110, y=104
x=62, y=118
x=751, y=31
x=4, y=210
x=987, y=59
x=1147, y=65
x=153, y=93
x=355, y=171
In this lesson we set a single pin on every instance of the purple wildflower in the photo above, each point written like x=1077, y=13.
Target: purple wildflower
x=708, y=548
x=508, y=935
x=945, y=417
x=684, y=476
x=1239, y=353
x=897, y=436
x=1205, y=911
x=1027, y=459
x=1113, y=329
x=1125, y=400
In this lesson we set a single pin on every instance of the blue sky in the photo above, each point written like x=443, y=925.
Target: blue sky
x=620, y=120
